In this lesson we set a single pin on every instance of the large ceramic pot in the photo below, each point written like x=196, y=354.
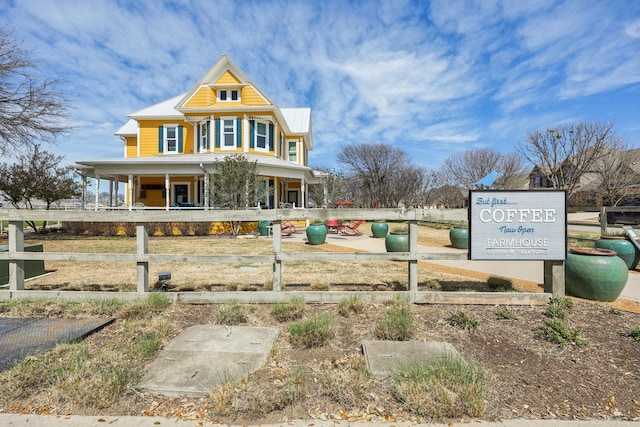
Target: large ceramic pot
x=623, y=247
x=397, y=242
x=316, y=234
x=379, y=229
x=459, y=237
x=595, y=274
x=263, y=227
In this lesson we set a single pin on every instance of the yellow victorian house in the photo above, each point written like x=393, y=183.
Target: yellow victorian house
x=172, y=148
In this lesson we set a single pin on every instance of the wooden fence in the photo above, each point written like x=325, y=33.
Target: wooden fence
x=554, y=283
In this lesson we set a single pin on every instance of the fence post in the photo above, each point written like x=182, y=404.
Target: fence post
x=277, y=250
x=16, y=266
x=554, y=278
x=413, y=249
x=142, y=246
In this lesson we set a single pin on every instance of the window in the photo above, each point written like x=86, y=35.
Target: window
x=228, y=133
x=293, y=151
x=203, y=132
x=170, y=139
x=261, y=136
x=228, y=95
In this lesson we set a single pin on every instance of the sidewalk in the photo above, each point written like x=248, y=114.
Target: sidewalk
x=13, y=420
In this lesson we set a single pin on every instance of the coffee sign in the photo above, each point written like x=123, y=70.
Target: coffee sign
x=518, y=225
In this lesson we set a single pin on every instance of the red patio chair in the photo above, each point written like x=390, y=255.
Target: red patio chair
x=333, y=225
x=351, y=228
x=287, y=228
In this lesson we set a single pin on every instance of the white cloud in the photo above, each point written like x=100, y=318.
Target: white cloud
x=426, y=76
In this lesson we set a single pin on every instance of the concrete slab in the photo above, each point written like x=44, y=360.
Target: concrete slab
x=383, y=357
x=21, y=337
x=204, y=356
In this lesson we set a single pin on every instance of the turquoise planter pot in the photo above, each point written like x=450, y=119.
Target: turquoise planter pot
x=397, y=242
x=379, y=230
x=595, y=274
x=263, y=227
x=316, y=234
x=623, y=247
x=459, y=237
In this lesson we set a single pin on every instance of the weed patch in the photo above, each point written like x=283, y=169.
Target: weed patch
x=463, y=321
x=503, y=312
x=291, y=310
x=314, y=332
x=231, y=313
x=352, y=304
x=441, y=389
x=399, y=322
x=559, y=331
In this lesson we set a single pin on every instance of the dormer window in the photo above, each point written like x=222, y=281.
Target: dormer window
x=228, y=95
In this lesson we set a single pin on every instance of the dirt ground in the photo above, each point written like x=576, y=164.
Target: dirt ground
x=525, y=375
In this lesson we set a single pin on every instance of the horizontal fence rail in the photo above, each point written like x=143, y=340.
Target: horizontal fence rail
x=16, y=255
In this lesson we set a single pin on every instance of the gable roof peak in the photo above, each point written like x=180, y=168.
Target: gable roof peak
x=223, y=65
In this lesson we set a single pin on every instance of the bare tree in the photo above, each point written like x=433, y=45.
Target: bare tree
x=617, y=174
x=565, y=153
x=375, y=170
x=37, y=177
x=472, y=165
x=334, y=187
x=29, y=110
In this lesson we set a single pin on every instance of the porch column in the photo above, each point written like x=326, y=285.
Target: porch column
x=110, y=193
x=206, y=191
x=167, y=188
x=84, y=193
x=117, y=190
x=303, y=191
x=130, y=185
x=97, y=181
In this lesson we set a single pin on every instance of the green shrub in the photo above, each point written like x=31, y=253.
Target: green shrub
x=441, y=389
x=634, y=333
x=503, y=312
x=463, y=320
x=559, y=307
x=558, y=331
x=352, y=304
x=314, y=332
x=291, y=310
x=398, y=324
x=231, y=313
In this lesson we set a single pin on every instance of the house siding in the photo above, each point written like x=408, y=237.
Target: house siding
x=228, y=79
x=251, y=97
x=131, y=145
x=204, y=97
x=149, y=136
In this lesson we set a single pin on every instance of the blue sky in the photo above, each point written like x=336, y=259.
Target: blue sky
x=432, y=77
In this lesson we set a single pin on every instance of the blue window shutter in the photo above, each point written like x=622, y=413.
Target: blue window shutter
x=198, y=148
x=239, y=133
x=270, y=136
x=217, y=133
x=160, y=138
x=180, y=145
x=252, y=130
